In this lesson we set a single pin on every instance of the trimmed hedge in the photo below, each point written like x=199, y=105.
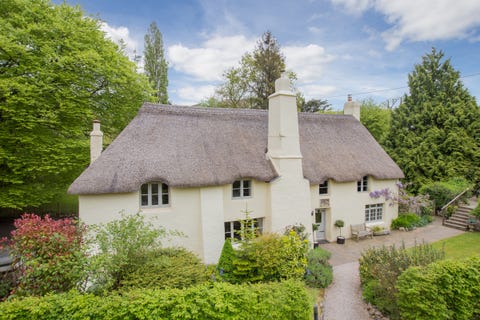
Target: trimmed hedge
x=282, y=300
x=443, y=290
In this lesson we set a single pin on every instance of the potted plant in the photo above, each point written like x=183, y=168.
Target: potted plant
x=340, y=224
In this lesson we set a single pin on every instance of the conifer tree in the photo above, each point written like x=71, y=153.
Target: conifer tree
x=435, y=132
x=156, y=67
x=250, y=84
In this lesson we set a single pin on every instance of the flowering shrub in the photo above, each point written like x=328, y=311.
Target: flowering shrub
x=406, y=203
x=48, y=255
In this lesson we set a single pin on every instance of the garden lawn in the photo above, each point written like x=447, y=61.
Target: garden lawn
x=461, y=246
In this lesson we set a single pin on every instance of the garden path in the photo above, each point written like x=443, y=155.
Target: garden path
x=343, y=299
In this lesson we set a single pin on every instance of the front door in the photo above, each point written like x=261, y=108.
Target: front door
x=320, y=224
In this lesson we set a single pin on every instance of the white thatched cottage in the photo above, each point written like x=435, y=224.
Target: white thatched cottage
x=197, y=169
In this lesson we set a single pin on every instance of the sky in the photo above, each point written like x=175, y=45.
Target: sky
x=365, y=48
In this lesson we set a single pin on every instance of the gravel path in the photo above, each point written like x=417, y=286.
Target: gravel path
x=343, y=299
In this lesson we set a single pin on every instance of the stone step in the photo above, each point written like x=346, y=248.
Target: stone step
x=456, y=225
x=463, y=210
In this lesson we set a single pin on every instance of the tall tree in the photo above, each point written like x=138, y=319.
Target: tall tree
x=435, y=132
x=267, y=64
x=58, y=72
x=316, y=105
x=376, y=118
x=156, y=67
x=250, y=84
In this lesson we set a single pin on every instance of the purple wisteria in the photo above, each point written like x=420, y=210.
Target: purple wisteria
x=407, y=203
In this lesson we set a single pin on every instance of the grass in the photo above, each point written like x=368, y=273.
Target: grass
x=461, y=246
x=316, y=296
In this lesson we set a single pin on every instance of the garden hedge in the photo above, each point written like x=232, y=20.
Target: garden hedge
x=282, y=300
x=445, y=289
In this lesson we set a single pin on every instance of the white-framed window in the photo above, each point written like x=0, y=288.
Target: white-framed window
x=154, y=194
x=373, y=212
x=323, y=188
x=232, y=228
x=362, y=185
x=242, y=189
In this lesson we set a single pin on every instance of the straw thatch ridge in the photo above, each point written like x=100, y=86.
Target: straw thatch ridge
x=194, y=146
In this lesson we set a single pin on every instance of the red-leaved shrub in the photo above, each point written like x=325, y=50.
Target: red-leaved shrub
x=48, y=254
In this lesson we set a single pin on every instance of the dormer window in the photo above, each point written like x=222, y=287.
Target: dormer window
x=242, y=189
x=154, y=195
x=323, y=188
x=362, y=185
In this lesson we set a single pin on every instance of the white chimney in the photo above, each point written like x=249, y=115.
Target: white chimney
x=96, y=141
x=283, y=137
x=290, y=194
x=352, y=108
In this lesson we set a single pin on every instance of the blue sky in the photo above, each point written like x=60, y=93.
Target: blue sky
x=336, y=47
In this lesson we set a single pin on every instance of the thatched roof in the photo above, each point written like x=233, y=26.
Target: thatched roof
x=190, y=147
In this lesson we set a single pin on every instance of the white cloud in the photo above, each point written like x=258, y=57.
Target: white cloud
x=214, y=56
x=307, y=62
x=118, y=34
x=355, y=7
x=421, y=20
x=317, y=91
x=194, y=94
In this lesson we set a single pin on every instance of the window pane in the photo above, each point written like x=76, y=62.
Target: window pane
x=165, y=199
x=228, y=232
x=164, y=188
x=236, y=184
x=144, y=200
x=318, y=216
x=144, y=189
x=246, y=192
x=246, y=184
x=154, y=188
x=154, y=199
x=260, y=225
x=236, y=193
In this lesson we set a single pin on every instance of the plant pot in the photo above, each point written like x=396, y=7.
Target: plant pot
x=340, y=240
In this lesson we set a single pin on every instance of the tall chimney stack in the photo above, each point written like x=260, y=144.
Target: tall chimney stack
x=283, y=136
x=352, y=108
x=96, y=141
x=290, y=196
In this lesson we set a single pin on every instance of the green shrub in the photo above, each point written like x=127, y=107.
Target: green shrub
x=121, y=245
x=7, y=283
x=407, y=221
x=225, y=262
x=443, y=290
x=380, y=268
x=444, y=191
x=424, y=220
x=476, y=211
x=319, y=271
x=165, y=268
x=284, y=300
x=271, y=257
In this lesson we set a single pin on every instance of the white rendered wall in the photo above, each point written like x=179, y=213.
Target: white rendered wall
x=182, y=215
x=347, y=204
x=212, y=211
x=258, y=202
